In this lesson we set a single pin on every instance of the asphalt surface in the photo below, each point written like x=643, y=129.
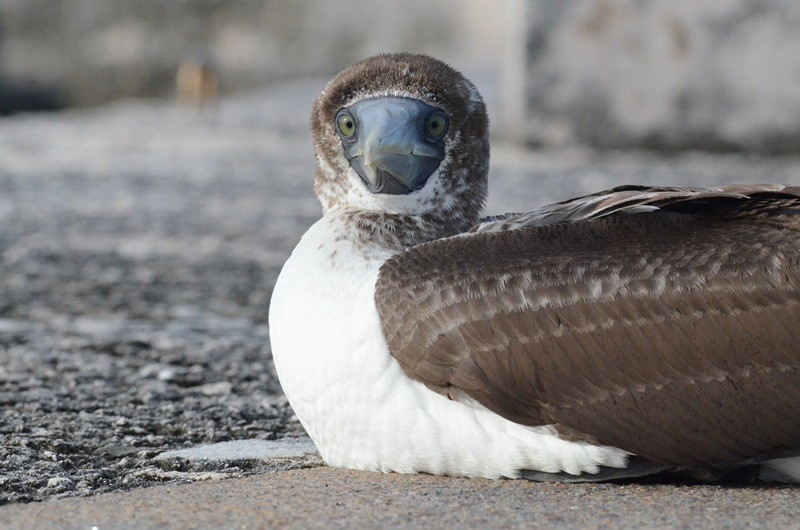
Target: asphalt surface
x=139, y=244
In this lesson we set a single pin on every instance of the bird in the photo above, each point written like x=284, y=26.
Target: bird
x=635, y=331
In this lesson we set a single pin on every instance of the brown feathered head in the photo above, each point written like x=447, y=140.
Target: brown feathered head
x=402, y=134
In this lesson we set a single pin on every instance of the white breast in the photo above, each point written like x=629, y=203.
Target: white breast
x=355, y=402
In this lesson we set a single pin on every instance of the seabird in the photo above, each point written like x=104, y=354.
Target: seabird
x=629, y=332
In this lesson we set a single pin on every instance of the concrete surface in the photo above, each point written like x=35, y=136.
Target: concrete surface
x=330, y=498
x=246, y=450
x=139, y=244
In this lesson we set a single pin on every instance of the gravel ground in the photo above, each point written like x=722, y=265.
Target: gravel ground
x=139, y=244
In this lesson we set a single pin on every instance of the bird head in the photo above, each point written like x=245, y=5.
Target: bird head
x=402, y=134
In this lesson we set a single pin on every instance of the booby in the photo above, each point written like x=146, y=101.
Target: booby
x=629, y=332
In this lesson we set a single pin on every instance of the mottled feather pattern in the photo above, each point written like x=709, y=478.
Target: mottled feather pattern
x=451, y=202
x=604, y=324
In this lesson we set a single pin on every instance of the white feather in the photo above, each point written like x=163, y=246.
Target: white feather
x=358, y=406
x=781, y=470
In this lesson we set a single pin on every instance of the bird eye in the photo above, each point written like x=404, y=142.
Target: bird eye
x=436, y=125
x=346, y=124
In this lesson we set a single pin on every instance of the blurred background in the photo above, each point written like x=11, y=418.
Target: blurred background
x=86, y=52
x=664, y=74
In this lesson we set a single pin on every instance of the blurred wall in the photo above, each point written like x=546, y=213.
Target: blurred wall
x=91, y=51
x=665, y=74
x=669, y=74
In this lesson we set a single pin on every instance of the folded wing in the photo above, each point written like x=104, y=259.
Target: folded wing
x=664, y=321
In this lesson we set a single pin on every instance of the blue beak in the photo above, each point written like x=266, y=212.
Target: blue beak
x=392, y=148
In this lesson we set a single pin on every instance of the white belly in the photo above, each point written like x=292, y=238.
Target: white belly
x=354, y=400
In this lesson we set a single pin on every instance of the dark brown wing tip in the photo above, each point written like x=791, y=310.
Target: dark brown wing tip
x=739, y=199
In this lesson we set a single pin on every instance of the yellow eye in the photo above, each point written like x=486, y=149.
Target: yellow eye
x=346, y=124
x=436, y=125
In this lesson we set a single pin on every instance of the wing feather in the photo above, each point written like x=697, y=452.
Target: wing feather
x=630, y=199
x=663, y=321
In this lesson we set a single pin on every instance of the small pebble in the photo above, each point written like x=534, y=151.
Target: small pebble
x=166, y=374
x=216, y=389
x=59, y=482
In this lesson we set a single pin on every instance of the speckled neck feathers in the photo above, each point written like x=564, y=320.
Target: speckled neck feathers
x=451, y=200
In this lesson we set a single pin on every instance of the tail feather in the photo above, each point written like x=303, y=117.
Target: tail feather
x=781, y=470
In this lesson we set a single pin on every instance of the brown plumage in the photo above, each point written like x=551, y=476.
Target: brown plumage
x=663, y=321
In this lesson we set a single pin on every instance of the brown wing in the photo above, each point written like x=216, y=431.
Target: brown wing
x=672, y=334
x=624, y=199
